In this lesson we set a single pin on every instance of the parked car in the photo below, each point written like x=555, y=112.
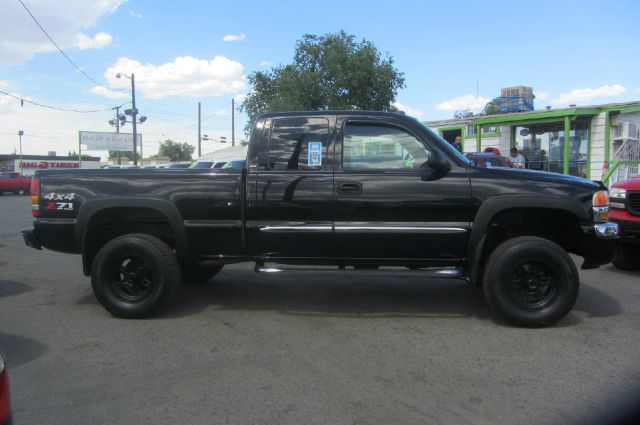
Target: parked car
x=14, y=182
x=490, y=159
x=203, y=164
x=185, y=164
x=357, y=208
x=5, y=398
x=625, y=210
x=236, y=165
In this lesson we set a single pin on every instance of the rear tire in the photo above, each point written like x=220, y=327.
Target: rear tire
x=531, y=281
x=199, y=274
x=627, y=257
x=134, y=275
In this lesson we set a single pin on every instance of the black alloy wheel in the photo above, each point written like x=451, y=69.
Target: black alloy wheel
x=533, y=286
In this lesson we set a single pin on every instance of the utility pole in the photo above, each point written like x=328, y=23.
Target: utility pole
x=118, y=130
x=134, y=113
x=20, y=133
x=199, y=131
x=233, y=124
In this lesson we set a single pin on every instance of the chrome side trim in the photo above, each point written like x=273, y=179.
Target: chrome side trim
x=292, y=229
x=399, y=229
x=213, y=223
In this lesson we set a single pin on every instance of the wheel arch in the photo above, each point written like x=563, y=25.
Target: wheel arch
x=494, y=207
x=91, y=210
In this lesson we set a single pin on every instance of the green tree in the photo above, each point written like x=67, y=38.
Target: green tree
x=176, y=151
x=492, y=107
x=333, y=71
x=128, y=154
x=463, y=113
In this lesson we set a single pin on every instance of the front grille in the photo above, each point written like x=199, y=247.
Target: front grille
x=634, y=203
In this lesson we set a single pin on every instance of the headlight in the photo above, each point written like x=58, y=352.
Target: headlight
x=617, y=193
x=600, y=206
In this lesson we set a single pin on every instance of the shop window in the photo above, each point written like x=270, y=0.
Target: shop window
x=471, y=129
x=543, y=147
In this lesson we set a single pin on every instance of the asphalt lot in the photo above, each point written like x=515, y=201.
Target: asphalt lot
x=249, y=349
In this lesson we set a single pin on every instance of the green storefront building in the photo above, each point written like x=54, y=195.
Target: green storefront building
x=598, y=142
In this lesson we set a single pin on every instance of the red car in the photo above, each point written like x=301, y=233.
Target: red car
x=624, y=198
x=5, y=402
x=490, y=159
x=14, y=182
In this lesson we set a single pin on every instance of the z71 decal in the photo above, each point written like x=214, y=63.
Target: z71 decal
x=59, y=201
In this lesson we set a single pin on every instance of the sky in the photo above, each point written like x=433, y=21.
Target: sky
x=453, y=55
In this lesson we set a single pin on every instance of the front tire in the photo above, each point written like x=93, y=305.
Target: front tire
x=627, y=257
x=531, y=281
x=134, y=275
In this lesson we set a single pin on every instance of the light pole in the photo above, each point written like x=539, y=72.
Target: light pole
x=116, y=122
x=134, y=112
x=20, y=134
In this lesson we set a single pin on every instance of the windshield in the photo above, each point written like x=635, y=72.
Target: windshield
x=202, y=164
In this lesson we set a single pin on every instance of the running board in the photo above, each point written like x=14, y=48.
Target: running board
x=429, y=272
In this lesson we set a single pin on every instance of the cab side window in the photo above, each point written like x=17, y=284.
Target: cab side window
x=369, y=146
x=298, y=143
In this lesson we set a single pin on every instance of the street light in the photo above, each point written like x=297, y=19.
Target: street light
x=20, y=134
x=134, y=112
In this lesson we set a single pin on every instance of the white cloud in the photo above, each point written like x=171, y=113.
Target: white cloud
x=185, y=76
x=239, y=98
x=265, y=63
x=111, y=94
x=587, y=94
x=638, y=91
x=541, y=95
x=100, y=40
x=222, y=112
x=135, y=14
x=234, y=37
x=468, y=101
x=408, y=110
x=21, y=39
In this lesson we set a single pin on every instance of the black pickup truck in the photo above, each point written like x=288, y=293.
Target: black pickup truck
x=346, y=192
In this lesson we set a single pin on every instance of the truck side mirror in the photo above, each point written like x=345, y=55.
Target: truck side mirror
x=436, y=167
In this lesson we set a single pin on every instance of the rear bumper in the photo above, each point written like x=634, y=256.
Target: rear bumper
x=30, y=239
x=600, y=244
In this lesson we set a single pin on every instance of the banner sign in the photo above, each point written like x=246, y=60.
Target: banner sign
x=103, y=141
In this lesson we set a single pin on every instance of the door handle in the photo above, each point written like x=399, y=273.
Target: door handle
x=350, y=188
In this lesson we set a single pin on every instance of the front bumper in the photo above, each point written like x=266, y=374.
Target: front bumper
x=600, y=242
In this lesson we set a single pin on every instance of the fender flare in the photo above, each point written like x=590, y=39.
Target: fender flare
x=495, y=205
x=88, y=210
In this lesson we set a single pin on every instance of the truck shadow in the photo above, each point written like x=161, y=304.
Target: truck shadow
x=354, y=297
x=359, y=297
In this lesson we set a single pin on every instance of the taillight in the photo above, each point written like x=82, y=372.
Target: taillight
x=34, y=191
x=5, y=403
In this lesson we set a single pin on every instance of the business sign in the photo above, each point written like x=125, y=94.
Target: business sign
x=103, y=141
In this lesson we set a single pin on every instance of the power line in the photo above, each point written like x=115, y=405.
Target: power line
x=58, y=47
x=23, y=100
